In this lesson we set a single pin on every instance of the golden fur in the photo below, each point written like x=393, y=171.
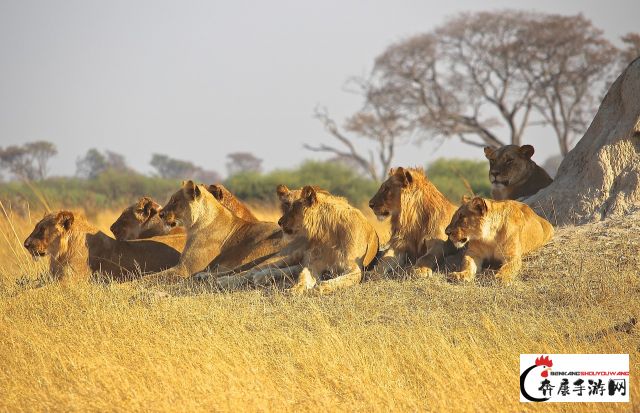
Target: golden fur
x=513, y=174
x=340, y=241
x=419, y=215
x=141, y=220
x=233, y=204
x=78, y=249
x=217, y=240
x=496, y=231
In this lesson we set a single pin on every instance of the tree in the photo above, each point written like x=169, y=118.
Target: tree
x=631, y=50
x=95, y=163
x=566, y=60
x=378, y=121
x=243, y=162
x=170, y=168
x=29, y=161
x=599, y=177
x=481, y=74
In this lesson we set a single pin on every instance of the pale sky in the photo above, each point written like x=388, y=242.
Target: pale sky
x=200, y=79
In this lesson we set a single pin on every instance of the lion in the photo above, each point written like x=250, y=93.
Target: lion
x=141, y=220
x=496, y=231
x=340, y=241
x=217, y=239
x=286, y=262
x=513, y=174
x=77, y=249
x=419, y=215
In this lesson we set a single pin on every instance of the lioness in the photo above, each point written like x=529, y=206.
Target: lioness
x=340, y=241
x=496, y=231
x=216, y=238
x=513, y=174
x=141, y=219
x=287, y=261
x=419, y=215
x=77, y=249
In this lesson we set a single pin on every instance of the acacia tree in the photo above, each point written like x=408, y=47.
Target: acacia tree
x=170, y=168
x=243, y=162
x=29, y=161
x=378, y=121
x=631, y=49
x=94, y=163
x=481, y=74
x=567, y=60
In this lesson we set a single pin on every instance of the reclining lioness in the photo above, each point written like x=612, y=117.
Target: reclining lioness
x=419, y=215
x=78, y=249
x=340, y=241
x=217, y=240
x=513, y=174
x=286, y=262
x=501, y=231
x=141, y=220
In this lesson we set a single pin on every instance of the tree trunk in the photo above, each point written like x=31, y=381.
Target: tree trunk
x=600, y=177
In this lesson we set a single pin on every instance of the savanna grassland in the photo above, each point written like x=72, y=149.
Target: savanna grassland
x=402, y=345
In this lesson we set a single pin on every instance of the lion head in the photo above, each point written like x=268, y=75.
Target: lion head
x=183, y=205
x=387, y=201
x=131, y=222
x=49, y=234
x=292, y=218
x=509, y=165
x=466, y=224
x=229, y=201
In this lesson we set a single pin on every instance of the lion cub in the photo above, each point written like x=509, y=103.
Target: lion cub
x=513, y=174
x=496, y=231
x=78, y=249
x=419, y=215
x=340, y=241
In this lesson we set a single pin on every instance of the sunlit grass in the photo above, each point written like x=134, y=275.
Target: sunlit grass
x=383, y=345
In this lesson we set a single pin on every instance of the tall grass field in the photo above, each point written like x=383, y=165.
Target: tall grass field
x=393, y=344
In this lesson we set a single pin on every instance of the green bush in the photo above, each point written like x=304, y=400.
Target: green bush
x=337, y=179
x=449, y=176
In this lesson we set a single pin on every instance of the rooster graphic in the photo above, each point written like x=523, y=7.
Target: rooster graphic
x=546, y=363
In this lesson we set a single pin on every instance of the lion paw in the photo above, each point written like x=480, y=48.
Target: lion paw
x=422, y=272
x=460, y=276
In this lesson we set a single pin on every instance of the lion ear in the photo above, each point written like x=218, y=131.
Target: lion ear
x=392, y=171
x=192, y=189
x=149, y=206
x=489, y=152
x=465, y=199
x=408, y=177
x=282, y=191
x=479, y=205
x=404, y=175
x=309, y=195
x=526, y=151
x=216, y=191
x=65, y=219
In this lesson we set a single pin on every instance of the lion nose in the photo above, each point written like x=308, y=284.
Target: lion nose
x=494, y=173
x=371, y=204
x=280, y=222
x=448, y=231
x=162, y=214
x=27, y=244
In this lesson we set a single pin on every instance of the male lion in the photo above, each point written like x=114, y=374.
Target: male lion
x=216, y=238
x=513, y=174
x=419, y=215
x=496, y=231
x=340, y=241
x=78, y=249
x=141, y=220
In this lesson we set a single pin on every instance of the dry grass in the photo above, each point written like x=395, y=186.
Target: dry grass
x=384, y=345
